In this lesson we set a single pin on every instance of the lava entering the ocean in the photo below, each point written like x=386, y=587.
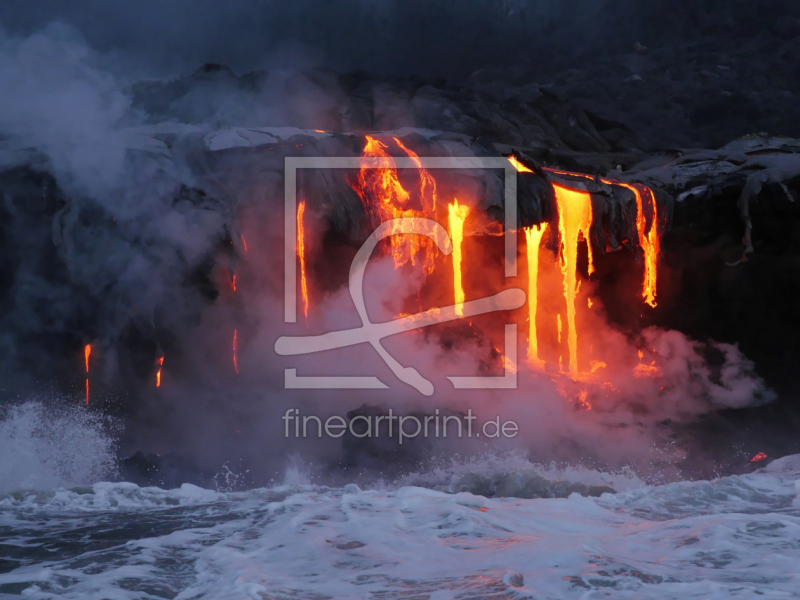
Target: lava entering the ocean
x=456, y=215
x=574, y=221
x=558, y=307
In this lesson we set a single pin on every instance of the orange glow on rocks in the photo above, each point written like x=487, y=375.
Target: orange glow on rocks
x=643, y=370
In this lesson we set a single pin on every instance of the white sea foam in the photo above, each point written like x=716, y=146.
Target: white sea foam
x=734, y=536
x=731, y=537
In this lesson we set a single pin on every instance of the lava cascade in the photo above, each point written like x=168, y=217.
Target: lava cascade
x=457, y=214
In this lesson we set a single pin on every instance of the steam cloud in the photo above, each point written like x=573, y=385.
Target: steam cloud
x=134, y=221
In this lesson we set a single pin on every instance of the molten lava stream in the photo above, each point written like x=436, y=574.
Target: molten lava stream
x=518, y=165
x=235, y=363
x=647, y=240
x=160, y=363
x=574, y=221
x=456, y=215
x=87, y=352
x=384, y=198
x=301, y=253
x=533, y=239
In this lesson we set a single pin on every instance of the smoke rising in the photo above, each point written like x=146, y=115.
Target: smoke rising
x=144, y=230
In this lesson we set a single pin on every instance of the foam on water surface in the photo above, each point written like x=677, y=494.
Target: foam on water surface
x=732, y=537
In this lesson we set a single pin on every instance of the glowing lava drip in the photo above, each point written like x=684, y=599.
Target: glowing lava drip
x=87, y=352
x=427, y=184
x=533, y=239
x=235, y=362
x=384, y=198
x=574, y=221
x=159, y=363
x=647, y=240
x=301, y=253
x=456, y=215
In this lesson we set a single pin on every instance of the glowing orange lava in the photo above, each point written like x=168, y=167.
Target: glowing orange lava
x=518, y=165
x=87, y=352
x=160, y=363
x=233, y=282
x=643, y=370
x=244, y=243
x=384, y=198
x=758, y=457
x=574, y=221
x=582, y=400
x=647, y=240
x=427, y=184
x=533, y=239
x=301, y=253
x=235, y=363
x=456, y=215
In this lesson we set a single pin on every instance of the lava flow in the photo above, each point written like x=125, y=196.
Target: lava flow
x=159, y=363
x=235, y=362
x=385, y=198
x=301, y=253
x=533, y=239
x=647, y=240
x=574, y=221
x=87, y=351
x=456, y=216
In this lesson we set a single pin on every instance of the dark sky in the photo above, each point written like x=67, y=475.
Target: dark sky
x=450, y=38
